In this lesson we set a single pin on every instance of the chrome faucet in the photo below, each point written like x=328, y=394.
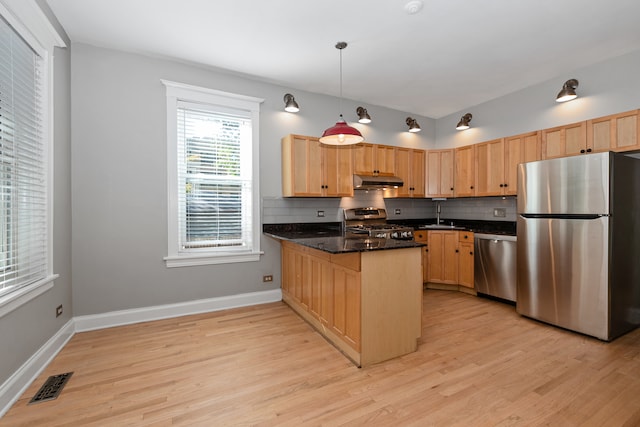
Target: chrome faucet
x=437, y=213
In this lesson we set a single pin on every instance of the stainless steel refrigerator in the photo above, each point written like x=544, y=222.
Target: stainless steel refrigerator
x=578, y=250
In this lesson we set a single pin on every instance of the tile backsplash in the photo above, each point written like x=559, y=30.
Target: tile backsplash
x=279, y=210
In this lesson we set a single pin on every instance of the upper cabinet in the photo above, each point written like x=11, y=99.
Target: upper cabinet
x=310, y=169
x=410, y=164
x=519, y=149
x=440, y=173
x=374, y=159
x=465, y=160
x=563, y=141
x=618, y=132
x=490, y=168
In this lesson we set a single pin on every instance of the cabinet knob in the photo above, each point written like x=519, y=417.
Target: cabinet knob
x=470, y=253
x=466, y=237
x=471, y=187
x=457, y=251
x=588, y=150
x=506, y=185
x=451, y=188
x=582, y=151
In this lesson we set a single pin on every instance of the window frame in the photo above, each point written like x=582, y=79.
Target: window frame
x=30, y=23
x=194, y=94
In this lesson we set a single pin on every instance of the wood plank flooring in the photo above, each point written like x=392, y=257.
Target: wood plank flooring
x=478, y=364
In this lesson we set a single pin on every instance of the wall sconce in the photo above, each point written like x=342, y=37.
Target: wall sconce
x=363, y=116
x=413, y=125
x=290, y=104
x=464, y=122
x=568, y=91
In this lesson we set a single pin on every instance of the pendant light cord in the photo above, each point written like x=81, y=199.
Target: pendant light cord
x=341, y=82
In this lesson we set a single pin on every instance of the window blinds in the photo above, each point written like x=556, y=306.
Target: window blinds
x=23, y=184
x=214, y=178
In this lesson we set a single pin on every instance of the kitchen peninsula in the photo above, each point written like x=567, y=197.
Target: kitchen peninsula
x=362, y=295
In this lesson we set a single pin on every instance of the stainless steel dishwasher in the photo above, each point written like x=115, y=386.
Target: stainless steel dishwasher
x=495, y=265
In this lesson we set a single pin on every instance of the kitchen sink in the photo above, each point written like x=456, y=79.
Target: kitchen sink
x=440, y=227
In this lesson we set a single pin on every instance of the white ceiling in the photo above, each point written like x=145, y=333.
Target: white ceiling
x=450, y=56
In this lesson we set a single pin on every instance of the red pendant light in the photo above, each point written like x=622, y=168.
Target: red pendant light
x=341, y=133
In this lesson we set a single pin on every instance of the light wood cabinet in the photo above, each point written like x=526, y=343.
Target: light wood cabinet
x=440, y=173
x=310, y=169
x=465, y=261
x=519, y=149
x=450, y=257
x=490, y=168
x=369, y=324
x=374, y=159
x=618, y=132
x=564, y=141
x=422, y=236
x=465, y=159
x=443, y=257
x=410, y=165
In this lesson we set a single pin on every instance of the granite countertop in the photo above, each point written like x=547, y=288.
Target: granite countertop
x=327, y=237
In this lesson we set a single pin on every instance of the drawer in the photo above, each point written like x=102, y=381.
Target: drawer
x=420, y=236
x=465, y=236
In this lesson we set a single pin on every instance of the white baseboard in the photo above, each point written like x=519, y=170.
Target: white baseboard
x=12, y=388
x=146, y=314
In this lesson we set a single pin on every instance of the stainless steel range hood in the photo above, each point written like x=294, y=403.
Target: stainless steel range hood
x=370, y=182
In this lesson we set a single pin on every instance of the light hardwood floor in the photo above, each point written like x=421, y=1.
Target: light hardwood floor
x=478, y=364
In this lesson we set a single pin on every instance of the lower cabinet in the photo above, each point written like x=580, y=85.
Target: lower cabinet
x=330, y=293
x=465, y=259
x=449, y=258
x=369, y=311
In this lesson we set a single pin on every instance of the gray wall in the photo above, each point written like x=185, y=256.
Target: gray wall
x=26, y=329
x=119, y=176
x=605, y=88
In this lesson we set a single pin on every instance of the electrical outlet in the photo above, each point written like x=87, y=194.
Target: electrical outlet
x=499, y=212
x=320, y=213
x=398, y=211
x=267, y=278
x=59, y=310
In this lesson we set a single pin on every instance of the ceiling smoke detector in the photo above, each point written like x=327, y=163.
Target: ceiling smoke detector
x=413, y=7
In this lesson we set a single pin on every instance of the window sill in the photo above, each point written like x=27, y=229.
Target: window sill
x=226, y=258
x=15, y=299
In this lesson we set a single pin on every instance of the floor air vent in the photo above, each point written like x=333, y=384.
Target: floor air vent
x=51, y=388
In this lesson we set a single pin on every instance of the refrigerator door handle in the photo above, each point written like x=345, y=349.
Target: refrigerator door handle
x=563, y=216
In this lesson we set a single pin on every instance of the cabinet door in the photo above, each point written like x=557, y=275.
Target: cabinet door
x=618, y=132
x=370, y=159
x=440, y=173
x=338, y=171
x=422, y=236
x=519, y=149
x=417, y=173
x=563, y=141
x=385, y=160
x=465, y=171
x=363, y=159
x=490, y=168
x=346, y=305
x=403, y=170
x=318, y=272
x=443, y=257
x=301, y=166
x=465, y=267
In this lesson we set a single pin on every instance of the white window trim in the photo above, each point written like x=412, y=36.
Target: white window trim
x=26, y=17
x=184, y=92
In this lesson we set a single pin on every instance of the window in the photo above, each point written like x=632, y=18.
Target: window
x=212, y=140
x=25, y=184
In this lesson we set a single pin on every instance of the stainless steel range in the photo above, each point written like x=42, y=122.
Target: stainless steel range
x=372, y=222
